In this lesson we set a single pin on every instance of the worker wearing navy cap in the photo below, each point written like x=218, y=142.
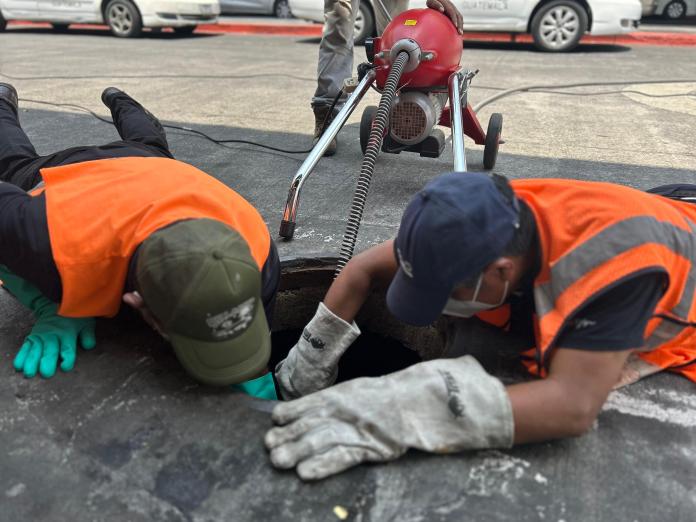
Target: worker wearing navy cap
x=602, y=276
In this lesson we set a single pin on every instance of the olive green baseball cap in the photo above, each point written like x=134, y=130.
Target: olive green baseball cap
x=199, y=280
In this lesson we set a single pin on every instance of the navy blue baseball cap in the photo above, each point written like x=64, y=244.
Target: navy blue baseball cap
x=451, y=230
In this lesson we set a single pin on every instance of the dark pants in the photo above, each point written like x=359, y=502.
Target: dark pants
x=141, y=135
x=681, y=191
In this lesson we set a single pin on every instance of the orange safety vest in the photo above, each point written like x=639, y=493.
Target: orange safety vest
x=593, y=236
x=100, y=211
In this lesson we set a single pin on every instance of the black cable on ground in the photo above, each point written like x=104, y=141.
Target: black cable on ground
x=163, y=76
x=195, y=132
x=547, y=89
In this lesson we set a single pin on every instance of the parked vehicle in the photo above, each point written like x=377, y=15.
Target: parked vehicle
x=648, y=7
x=675, y=9
x=556, y=25
x=279, y=8
x=125, y=18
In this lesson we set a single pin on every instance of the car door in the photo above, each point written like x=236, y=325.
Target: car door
x=494, y=15
x=246, y=6
x=68, y=10
x=20, y=9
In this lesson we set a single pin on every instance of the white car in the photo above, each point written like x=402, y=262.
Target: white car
x=675, y=9
x=556, y=25
x=125, y=18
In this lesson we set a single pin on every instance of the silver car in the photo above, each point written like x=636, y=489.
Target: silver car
x=279, y=8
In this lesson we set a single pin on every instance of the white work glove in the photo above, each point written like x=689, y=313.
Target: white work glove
x=312, y=364
x=441, y=406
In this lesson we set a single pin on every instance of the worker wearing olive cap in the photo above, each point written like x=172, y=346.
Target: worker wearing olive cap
x=87, y=228
x=600, y=278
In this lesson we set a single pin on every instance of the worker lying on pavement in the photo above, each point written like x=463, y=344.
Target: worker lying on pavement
x=603, y=277
x=128, y=222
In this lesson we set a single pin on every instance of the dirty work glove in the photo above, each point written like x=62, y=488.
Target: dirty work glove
x=52, y=335
x=441, y=406
x=312, y=364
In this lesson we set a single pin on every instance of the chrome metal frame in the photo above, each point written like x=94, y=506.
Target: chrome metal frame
x=287, y=225
x=458, y=85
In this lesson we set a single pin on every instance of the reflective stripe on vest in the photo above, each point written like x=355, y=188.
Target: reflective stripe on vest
x=100, y=211
x=609, y=243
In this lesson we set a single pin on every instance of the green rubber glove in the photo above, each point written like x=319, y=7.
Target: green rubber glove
x=261, y=387
x=53, y=336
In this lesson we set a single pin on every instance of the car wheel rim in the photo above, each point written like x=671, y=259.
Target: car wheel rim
x=120, y=19
x=359, y=25
x=282, y=9
x=675, y=10
x=559, y=27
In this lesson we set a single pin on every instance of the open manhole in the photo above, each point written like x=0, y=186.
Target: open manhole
x=385, y=344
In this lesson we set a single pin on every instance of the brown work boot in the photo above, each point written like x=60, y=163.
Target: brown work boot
x=321, y=123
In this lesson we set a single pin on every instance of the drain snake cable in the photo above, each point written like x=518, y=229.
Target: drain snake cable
x=374, y=145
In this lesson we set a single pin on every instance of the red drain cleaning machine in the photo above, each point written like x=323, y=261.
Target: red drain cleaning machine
x=415, y=65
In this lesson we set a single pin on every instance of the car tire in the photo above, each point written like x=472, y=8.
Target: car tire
x=674, y=10
x=3, y=23
x=559, y=25
x=123, y=18
x=186, y=30
x=364, y=24
x=281, y=9
x=60, y=28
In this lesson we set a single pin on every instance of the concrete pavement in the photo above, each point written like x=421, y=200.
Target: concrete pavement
x=128, y=436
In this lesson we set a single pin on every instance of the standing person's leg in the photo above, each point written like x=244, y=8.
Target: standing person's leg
x=16, y=151
x=134, y=123
x=335, y=60
x=395, y=7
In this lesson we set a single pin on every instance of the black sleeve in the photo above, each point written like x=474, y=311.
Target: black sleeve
x=615, y=320
x=25, y=245
x=270, y=280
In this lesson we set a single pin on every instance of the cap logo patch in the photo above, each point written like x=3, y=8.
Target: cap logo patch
x=405, y=265
x=232, y=321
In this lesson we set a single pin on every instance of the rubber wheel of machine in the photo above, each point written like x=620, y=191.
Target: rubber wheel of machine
x=546, y=35
x=281, y=9
x=674, y=10
x=366, y=126
x=490, y=148
x=3, y=23
x=364, y=24
x=123, y=18
x=185, y=30
x=60, y=28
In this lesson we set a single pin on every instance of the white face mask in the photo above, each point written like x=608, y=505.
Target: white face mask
x=467, y=309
